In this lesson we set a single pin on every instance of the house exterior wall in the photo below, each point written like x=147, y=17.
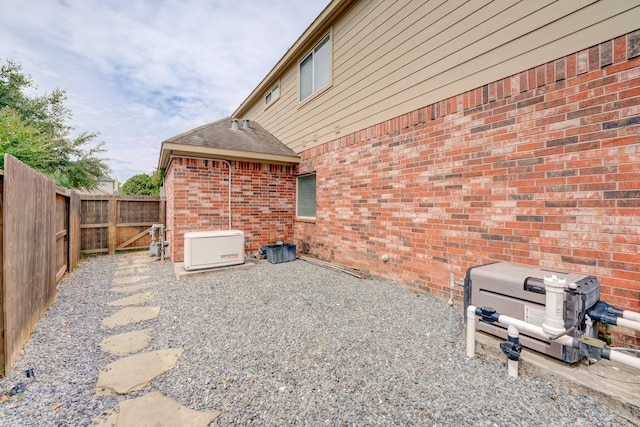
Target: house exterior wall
x=393, y=57
x=262, y=201
x=539, y=168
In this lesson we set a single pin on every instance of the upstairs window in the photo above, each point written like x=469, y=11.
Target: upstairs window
x=315, y=69
x=272, y=95
x=306, y=203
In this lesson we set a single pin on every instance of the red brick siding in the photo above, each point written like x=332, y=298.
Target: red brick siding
x=262, y=201
x=539, y=168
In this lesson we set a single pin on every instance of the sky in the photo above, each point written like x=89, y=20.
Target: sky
x=138, y=72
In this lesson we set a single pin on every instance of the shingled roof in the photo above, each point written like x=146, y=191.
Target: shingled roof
x=243, y=141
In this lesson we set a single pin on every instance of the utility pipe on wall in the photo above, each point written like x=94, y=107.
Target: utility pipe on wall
x=173, y=156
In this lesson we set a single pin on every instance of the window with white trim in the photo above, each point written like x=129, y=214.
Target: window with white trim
x=315, y=69
x=306, y=196
x=272, y=95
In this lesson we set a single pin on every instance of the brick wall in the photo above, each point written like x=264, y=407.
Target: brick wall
x=262, y=201
x=539, y=168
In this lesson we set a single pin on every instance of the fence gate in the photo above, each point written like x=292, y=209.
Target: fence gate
x=118, y=223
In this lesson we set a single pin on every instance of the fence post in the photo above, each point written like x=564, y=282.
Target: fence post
x=74, y=230
x=113, y=222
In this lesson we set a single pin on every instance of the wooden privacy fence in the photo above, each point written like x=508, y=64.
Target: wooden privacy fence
x=43, y=229
x=40, y=242
x=115, y=223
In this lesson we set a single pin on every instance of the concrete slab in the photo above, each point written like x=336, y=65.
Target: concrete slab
x=134, y=299
x=131, y=288
x=129, y=315
x=613, y=383
x=154, y=410
x=126, y=343
x=128, y=280
x=179, y=271
x=135, y=372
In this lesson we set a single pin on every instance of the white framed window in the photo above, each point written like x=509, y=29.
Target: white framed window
x=273, y=94
x=306, y=196
x=315, y=68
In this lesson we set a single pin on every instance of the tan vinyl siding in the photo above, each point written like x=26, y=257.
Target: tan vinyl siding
x=390, y=58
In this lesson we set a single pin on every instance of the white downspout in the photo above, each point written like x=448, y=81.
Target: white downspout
x=173, y=156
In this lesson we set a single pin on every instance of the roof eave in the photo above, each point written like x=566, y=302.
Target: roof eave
x=304, y=43
x=170, y=149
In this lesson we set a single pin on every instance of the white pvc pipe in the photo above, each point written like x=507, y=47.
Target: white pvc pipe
x=614, y=355
x=513, y=364
x=617, y=356
x=626, y=323
x=631, y=315
x=471, y=331
x=533, y=329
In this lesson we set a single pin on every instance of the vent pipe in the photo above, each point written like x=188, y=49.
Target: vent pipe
x=234, y=124
x=245, y=124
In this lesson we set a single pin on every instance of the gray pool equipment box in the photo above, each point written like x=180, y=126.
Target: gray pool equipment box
x=518, y=291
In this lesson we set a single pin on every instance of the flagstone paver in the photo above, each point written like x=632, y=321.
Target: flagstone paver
x=134, y=299
x=126, y=343
x=155, y=410
x=129, y=271
x=135, y=372
x=129, y=315
x=131, y=288
x=127, y=280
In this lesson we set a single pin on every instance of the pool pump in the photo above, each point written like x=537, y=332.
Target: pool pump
x=551, y=312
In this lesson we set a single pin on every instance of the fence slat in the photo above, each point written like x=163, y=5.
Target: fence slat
x=113, y=221
x=29, y=253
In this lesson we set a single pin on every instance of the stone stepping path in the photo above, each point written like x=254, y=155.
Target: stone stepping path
x=128, y=280
x=131, y=288
x=133, y=372
x=129, y=315
x=140, y=298
x=126, y=343
x=154, y=409
x=131, y=270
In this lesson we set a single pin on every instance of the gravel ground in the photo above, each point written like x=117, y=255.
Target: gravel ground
x=284, y=344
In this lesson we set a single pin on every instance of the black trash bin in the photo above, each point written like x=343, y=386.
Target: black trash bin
x=281, y=253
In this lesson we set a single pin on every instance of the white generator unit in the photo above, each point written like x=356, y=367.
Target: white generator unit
x=210, y=249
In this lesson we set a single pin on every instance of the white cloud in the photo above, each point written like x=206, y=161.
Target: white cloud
x=141, y=72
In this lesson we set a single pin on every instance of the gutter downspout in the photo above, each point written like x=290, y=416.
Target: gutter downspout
x=173, y=156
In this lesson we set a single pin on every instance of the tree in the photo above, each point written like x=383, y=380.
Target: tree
x=144, y=184
x=35, y=129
